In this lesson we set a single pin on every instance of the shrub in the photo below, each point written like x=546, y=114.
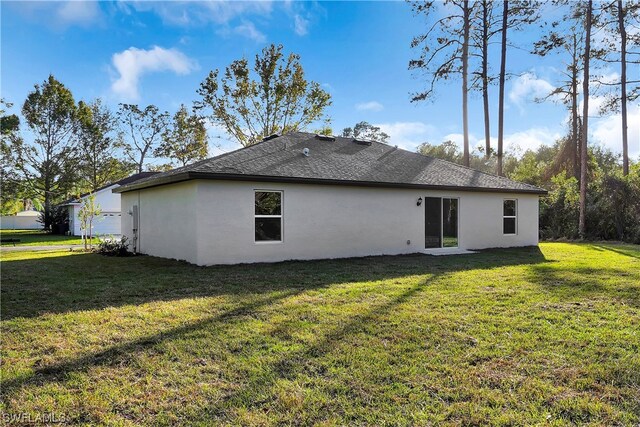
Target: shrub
x=114, y=247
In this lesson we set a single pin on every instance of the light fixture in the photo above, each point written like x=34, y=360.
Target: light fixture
x=419, y=201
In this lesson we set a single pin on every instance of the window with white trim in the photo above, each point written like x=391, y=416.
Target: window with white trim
x=268, y=216
x=510, y=216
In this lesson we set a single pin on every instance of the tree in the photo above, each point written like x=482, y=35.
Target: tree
x=143, y=128
x=569, y=40
x=48, y=164
x=9, y=180
x=186, y=141
x=448, y=150
x=487, y=10
x=621, y=15
x=515, y=14
x=367, y=131
x=278, y=100
x=86, y=214
x=99, y=146
x=501, y=83
x=326, y=128
x=449, y=57
x=585, y=120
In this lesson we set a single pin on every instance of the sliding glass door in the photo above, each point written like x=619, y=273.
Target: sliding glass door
x=441, y=222
x=432, y=222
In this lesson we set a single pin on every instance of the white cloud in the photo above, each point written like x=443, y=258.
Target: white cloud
x=300, y=25
x=529, y=139
x=458, y=138
x=78, y=12
x=190, y=13
x=517, y=142
x=528, y=87
x=132, y=63
x=60, y=15
x=408, y=135
x=328, y=87
x=245, y=29
x=369, y=106
x=608, y=131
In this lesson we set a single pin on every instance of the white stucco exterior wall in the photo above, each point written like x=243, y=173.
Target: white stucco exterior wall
x=167, y=220
x=212, y=222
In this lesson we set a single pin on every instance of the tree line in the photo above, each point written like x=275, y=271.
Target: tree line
x=62, y=148
x=456, y=46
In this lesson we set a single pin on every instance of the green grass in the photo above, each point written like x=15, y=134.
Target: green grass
x=504, y=337
x=38, y=238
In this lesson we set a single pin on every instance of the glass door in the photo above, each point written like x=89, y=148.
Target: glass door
x=449, y=223
x=441, y=222
x=432, y=222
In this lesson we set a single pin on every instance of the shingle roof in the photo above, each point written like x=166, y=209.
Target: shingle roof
x=124, y=181
x=341, y=161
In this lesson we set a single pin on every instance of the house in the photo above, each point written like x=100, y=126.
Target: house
x=305, y=196
x=108, y=222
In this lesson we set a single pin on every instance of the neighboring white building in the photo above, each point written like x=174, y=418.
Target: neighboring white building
x=301, y=196
x=23, y=220
x=109, y=220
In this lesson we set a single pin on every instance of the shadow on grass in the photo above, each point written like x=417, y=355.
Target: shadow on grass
x=618, y=250
x=34, y=287
x=588, y=283
x=293, y=363
x=286, y=366
x=263, y=285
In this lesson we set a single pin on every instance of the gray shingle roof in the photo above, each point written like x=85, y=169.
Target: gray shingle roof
x=123, y=181
x=342, y=161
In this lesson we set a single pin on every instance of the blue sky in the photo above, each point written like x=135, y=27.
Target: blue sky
x=158, y=53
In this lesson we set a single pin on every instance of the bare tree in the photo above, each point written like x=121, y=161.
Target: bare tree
x=450, y=55
x=618, y=16
x=143, y=130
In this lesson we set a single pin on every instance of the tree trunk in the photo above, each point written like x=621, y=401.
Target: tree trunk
x=485, y=77
x=465, y=88
x=503, y=64
x=623, y=88
x=585, y=123
x=575, y=138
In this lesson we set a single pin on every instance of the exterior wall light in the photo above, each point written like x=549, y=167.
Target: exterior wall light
x=419, y=201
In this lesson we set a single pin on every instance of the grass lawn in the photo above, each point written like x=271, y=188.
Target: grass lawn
x=547, y=336
x=38, y=238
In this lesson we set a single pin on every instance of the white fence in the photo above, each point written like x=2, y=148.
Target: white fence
x=14, y=222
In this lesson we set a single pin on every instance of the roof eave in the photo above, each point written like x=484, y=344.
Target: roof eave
x=185, y=176
x=154, y=182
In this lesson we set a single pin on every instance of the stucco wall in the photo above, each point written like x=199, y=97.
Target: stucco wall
x=167, y=220
x=212, y=222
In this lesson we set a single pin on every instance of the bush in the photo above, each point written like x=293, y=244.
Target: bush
x=114, y=247
x=57, y=218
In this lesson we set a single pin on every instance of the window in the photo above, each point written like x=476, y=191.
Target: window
x=268, y=216
x=509, y=216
